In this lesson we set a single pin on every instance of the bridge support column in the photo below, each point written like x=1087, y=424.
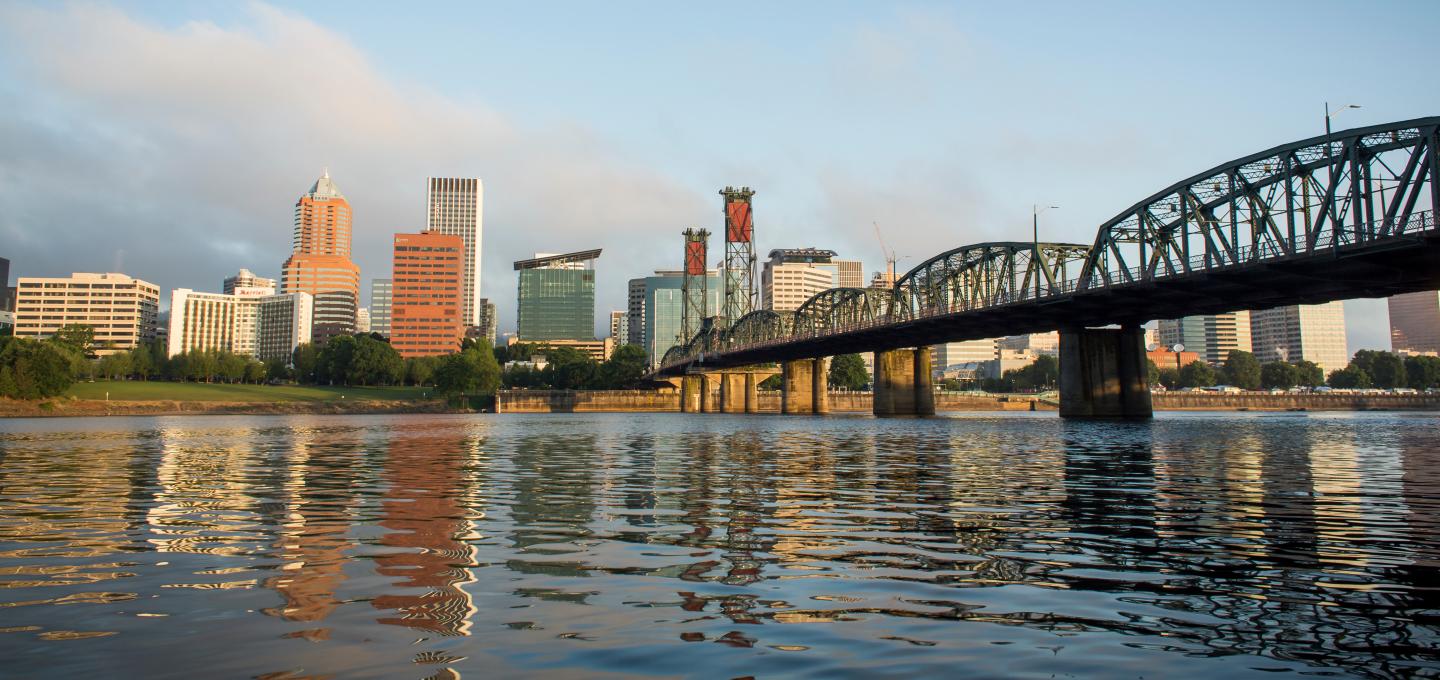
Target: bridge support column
x=709, y=393
x=690, y=388
x=1103, y=373
x=733, y=392
x=820, y=387
x=797, y=394
x=752, y=393
x=903, y=385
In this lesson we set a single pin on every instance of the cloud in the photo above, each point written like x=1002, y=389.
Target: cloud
x=186, y=148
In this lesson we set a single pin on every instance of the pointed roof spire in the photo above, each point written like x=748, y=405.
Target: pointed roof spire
x=325, y=187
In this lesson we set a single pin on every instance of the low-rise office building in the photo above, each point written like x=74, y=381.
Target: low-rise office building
x=122, y=310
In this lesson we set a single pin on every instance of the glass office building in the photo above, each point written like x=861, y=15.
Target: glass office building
x=557, y=297
x=660, y=306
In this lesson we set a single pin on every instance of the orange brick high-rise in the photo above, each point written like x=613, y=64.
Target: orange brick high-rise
x=319, y=263
x=427, y=294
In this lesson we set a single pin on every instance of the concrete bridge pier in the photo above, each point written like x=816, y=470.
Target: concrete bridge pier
x=903, y=384
x=690, y=388
x=805, y=387
x=737, y=393
x=709, y=393
x=1103, y=373
x=752, y=393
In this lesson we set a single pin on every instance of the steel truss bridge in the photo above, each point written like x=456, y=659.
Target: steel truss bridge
x=1346, y=215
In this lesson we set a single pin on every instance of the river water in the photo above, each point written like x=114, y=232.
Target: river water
x=1014, y=545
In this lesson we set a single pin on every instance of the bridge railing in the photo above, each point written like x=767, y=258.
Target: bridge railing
x=1419, y=223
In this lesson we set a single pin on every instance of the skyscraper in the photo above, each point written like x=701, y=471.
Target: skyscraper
x=660, y=306
x=319, y=263
x=1212, y=336
x=380, y=306
x=557, y=297
x=454, y=206
x=1415, y=322
x=426, y=296
x=1313, y=333
x=267, y=327
x=488, y=323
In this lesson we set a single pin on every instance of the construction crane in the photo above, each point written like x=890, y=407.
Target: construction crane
x=889, y=255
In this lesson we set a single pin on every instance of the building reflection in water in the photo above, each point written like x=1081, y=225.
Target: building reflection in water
x=316, y=500
x=426, y=508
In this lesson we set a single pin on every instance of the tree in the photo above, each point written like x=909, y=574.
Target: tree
x=1309, y=374
x=275, y=369
x=142, y=360
x=1387, y=370
x=1242, y=370
x=624, y=367
x=231, y=365
x=1279, y=374
x=847, y=371
x=1350, y=377
x=420, y=371
x=569, y=369
x=255, y=371
x=1043, y=373
x=306, y=360
x=78, y=337
x=34, y=370
x=373, y=362
x=334, y=359
x=114, y=366
x=1197, y=374
x=1152, y=373
x=473, y=370
x=773, y=382
x=1422, y=372
x=1170, y=377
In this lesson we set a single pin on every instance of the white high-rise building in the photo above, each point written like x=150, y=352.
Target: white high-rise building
x=1314, y=333
x=1415, y=322
x=455, y=206
x=793, y=275
x=268, y=327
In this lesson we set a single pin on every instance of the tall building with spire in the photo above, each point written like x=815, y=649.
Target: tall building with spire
x=455, y=206
x=319, y=262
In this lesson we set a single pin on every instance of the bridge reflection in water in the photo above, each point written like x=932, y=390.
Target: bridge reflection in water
x=1335, y=217
x=1189, y=545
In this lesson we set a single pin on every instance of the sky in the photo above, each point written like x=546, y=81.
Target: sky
x=171, y=140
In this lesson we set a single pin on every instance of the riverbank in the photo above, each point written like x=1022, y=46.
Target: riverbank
x=11, y=408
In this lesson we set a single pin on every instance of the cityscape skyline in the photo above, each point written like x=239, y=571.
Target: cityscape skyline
x=557, y=179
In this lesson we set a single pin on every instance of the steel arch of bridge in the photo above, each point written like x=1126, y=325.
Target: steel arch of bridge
x=1295, y=199
x=1330, y=196
x=839, y=309
x=986, y=275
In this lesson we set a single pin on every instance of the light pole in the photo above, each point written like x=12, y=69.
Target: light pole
x=1329, y=114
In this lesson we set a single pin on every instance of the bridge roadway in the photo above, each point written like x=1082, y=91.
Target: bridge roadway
x=1345, y=216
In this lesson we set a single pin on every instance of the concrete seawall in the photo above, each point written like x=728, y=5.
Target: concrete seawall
x=598, y=401
x=620, y=401
x=1202, y=401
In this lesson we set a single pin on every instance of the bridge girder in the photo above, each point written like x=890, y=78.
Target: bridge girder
x=984, y=275
x=1314, y=194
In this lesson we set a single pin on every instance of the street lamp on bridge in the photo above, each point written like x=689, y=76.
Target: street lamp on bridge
x=1329, y=114
x=1035, y=211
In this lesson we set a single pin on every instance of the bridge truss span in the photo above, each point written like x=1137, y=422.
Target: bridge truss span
x=1293, y=200
x=1340, y=216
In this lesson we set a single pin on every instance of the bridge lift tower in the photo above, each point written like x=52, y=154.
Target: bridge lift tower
x=739, y=270
x=694, y=297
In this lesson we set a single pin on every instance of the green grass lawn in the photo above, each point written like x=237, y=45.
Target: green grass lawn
x=133, y=390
